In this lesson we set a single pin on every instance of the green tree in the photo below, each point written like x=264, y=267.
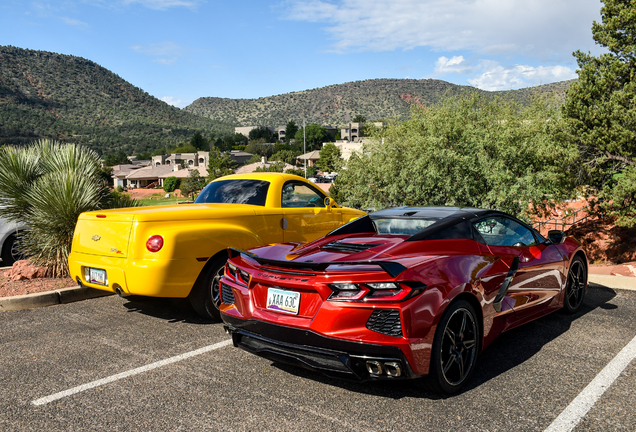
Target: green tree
x=601, y=110
x=314, y=136
x=47, y=185
x=220, y=164
x=469, y=151
x=359, y=119
x=117, y=158
x=330, y=160
x=193, y=183
x=228, y=142
x=186, y=148
x=260, y=149
x=260, y=133
x=198, y=142
x=290, y=130
x=144, y=155
x=170, y=184
x=273, y=167
x=286, y=156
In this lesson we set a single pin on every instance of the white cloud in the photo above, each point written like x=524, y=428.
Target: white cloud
x=538, y=28
x=456, y=64
x=496, y=77
x=74, y=22
x=168, y=52
x=163, y=4
x=170, y=100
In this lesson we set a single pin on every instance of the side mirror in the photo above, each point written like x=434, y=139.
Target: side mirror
x=556, y=236
x=329, y=203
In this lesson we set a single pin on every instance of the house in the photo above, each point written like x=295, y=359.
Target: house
x=311, y=158
x=120, y=172
x=155, y=175
x=240, y=157
x=353, y=131
x=246, y=169
x=347, y=148
x=245, y=130
x=200, y=158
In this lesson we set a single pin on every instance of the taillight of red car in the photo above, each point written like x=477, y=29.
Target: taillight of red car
x=375, y=291
x=236, y=274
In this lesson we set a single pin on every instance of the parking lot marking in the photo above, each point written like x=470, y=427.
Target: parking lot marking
x=579, y=407
x=142, y=369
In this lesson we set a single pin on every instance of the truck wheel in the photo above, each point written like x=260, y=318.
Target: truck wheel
x=205, y=296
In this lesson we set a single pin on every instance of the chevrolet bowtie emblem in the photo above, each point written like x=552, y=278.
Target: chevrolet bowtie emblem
x=96, y=237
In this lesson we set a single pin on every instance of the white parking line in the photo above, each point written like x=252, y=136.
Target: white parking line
x=112, y=378
x=579, y=407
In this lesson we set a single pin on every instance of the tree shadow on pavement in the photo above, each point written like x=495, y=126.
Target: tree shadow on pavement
x=510, y=350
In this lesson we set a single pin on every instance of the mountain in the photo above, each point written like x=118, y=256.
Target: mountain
x=335, y=104
x=71, y=99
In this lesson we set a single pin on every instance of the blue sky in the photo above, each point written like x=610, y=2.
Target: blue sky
x=180, y=50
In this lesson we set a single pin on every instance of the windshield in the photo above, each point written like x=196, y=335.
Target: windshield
x=246, y=191
x=401, y=226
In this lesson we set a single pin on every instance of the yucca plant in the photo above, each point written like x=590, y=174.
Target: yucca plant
x=47, y=185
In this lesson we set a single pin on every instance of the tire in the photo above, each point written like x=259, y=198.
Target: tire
x=10, y=251
x=455, y=348
x=205, y=296
x=575, y=289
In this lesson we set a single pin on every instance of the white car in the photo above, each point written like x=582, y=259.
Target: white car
x=8, y=241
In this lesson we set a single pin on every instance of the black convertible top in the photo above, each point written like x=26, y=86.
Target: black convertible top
x=450, y=222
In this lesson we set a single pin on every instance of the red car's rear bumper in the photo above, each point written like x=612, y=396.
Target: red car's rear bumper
x=332, y=357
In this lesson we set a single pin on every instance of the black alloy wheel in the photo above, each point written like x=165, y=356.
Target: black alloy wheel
x=576, y=286
x=455, y=349
x=205, y=296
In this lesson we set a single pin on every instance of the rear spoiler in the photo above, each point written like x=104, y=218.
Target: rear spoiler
x=392, y=268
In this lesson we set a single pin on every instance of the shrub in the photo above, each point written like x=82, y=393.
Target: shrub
x=170, y=184
x=47, y=185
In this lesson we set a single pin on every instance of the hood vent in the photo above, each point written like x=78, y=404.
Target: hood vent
x=337, y=246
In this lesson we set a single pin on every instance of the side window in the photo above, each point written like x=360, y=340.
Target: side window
x=501, y=231
x=297, y=194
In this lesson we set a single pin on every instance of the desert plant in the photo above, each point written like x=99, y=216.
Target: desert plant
x=47, y=185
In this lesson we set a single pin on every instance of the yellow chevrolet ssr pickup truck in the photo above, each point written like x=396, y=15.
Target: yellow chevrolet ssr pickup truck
x=180, y=250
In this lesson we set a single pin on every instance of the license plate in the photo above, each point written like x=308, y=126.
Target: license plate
x=97, y=276
x=283, y=301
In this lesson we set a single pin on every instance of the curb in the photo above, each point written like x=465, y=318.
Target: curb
x=615, y=282
x=50, y=298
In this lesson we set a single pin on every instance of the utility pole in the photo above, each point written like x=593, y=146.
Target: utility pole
x=305, y=146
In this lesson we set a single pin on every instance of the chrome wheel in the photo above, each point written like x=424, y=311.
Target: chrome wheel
x=205, y=296
x=215, y=287
x=576, y=283
x=458, y=349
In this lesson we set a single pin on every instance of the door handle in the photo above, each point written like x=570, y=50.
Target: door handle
x=284, y=224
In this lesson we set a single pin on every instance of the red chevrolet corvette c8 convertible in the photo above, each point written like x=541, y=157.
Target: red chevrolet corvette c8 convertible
x=408, y=292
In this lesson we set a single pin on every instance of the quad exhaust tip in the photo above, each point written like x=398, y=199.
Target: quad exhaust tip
x=390, y=368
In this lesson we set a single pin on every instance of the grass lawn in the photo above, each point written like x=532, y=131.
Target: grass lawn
x=160, y=199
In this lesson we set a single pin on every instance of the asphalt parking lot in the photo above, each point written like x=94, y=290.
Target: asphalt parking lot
x=132, y=364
